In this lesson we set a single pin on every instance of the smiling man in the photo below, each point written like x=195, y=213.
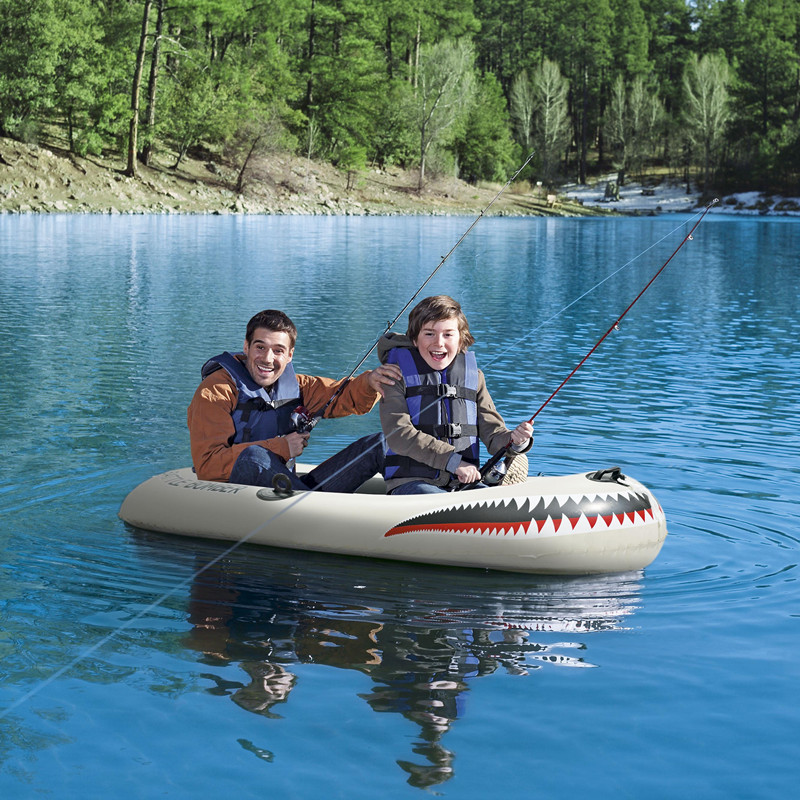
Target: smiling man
x=240, y=419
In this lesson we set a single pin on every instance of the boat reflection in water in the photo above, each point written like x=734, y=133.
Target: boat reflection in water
x=420, y=633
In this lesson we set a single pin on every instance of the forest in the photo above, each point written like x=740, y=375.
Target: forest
x=708, y=91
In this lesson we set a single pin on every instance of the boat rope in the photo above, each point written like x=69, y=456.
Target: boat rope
x=495, y=459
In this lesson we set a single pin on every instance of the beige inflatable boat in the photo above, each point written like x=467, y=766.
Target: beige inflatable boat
x=578, y=524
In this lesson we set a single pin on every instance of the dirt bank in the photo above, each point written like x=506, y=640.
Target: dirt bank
x=46, y=179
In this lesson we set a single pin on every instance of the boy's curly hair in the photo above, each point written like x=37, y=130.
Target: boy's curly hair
x=435, y=309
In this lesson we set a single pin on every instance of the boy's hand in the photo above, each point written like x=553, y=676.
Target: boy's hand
x=467, y=473
x=384, y=375
x=521, y=434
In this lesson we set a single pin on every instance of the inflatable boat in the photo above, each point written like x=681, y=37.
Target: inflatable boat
x=587, y=523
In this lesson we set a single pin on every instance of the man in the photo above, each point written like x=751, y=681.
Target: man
x=240, y=418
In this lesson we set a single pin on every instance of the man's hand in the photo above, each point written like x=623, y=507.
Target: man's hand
x=297, y=442
x=384, y=375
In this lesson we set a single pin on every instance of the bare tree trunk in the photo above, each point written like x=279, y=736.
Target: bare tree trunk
x=312, y=32
x=147, y=150
x=137, y=82
x=240, y=179
x=71, y=129
x=422, y=150
x=387, y=45
x=417, y=41
x=584, y=131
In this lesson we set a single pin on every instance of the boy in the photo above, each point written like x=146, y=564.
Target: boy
x=434, y=417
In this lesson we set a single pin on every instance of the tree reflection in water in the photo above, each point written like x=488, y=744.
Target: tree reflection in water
x=420, y=633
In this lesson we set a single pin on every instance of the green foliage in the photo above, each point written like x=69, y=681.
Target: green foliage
x=88, y=142
x=484, y=147
x=394, y=140
x=630, y=38
x=513, y=35
x=360, y=75
x=199, y=105
x=80, y=79
x=31, y=34
x=343, y=74
x=583, y=36
x=671, y=41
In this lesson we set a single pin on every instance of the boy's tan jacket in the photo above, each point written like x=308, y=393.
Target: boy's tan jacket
x=405, y=439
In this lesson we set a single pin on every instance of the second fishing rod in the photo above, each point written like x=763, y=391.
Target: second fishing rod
x=489, y=471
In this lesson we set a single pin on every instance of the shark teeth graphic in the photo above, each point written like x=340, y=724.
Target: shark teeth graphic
x=520, y=517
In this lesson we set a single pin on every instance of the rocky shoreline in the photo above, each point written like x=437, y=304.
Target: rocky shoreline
x=38, y=179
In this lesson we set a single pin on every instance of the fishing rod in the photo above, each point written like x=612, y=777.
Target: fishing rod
x=303, y=420
x=495, y=459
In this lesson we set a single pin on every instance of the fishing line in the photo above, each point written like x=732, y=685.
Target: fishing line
x=614, y=326
x=166, y=595
x=391, y=323
x=608, y=277
x=301, y=496
x=155, y=604
x=159, y=601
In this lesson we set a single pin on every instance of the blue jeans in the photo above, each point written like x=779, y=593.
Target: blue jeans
x=421, y=487
x=343, y=472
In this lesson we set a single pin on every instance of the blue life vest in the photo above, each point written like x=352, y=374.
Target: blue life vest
x=441, y=403
x=259, y=414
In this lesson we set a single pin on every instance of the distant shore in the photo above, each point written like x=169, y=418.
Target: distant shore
x=657, y=198
x=36, y=179
x=40, y=179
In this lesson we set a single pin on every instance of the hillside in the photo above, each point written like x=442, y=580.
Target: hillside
x=46, y=179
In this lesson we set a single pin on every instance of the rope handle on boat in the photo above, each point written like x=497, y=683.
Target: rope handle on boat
x=491, y=462
x=391, y=323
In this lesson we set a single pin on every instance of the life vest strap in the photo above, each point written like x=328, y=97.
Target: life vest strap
x=442, y=390
x=451, y=430
x=247, y=407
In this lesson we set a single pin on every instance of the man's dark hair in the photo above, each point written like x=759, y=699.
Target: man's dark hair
x=273, y=321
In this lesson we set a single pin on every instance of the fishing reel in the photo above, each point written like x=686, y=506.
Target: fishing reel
x=491, y=475
x=302, y=420
x=495, y=474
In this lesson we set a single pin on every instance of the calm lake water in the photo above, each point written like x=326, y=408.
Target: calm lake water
x=136, y=665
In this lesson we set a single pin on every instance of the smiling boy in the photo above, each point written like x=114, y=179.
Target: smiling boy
x=240, y=418
x=434, y=418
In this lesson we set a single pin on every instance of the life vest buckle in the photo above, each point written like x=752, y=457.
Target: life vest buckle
x=447, y=390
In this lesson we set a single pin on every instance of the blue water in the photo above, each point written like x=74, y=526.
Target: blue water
x=137, y=665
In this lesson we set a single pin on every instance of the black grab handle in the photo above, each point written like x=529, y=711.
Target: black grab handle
x=607, y=475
